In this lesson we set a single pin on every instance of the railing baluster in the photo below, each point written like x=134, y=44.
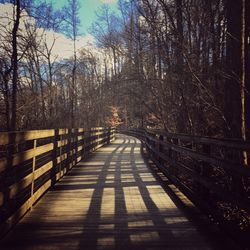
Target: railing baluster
x=60, y=155
x=33, y=173
x=214, y=182
x=48, y=159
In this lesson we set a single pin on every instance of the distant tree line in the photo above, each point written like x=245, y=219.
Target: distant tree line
x=185, y=65
x=178, y=65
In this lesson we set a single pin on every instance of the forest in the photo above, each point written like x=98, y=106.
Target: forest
x=177, y=65
x=173, y=73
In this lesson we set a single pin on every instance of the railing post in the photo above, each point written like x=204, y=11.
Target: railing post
x=77, y=142
x=109, y=135
x=84, y=144
x=205, y=170
x=175, y=141
x=160, y=149
x=60, y=156
x=113, y=133
x=75, y=145
x=69, y=148
x=149, y=145
x=72, y=147
x=170, y=155
x=98, y=136
x=33, y=173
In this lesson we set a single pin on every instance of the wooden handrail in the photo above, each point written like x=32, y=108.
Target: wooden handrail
x=7, y=138
x=32, y=161
x=210, y=171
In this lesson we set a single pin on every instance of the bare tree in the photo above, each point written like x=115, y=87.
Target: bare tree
x=14, y=64
x=72, y=23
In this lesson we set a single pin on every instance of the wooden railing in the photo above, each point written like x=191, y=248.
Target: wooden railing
x=210, y=171
x=32, y=161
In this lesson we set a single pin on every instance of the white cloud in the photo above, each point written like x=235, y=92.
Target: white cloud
x=6, y=19
x=62, y=46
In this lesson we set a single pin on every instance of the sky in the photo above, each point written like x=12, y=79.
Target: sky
x=63, y=46
x=87, y=11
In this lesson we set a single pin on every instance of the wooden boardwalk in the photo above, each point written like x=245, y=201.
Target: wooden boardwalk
x=111, y=201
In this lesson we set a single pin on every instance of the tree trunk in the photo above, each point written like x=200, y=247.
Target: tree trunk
x=235, y=91
x=233, y=64
x=247, y=68
x=184, y=123
x=244, y=88
x=6, y=94
x=14, y=63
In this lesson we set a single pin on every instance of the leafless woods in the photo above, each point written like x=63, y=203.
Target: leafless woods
x=180, y=65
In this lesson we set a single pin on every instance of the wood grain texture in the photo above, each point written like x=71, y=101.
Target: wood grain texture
x=8, y=137
x=28, y=171
x=111, y=201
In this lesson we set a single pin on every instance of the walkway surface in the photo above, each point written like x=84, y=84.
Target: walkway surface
x=111, y=201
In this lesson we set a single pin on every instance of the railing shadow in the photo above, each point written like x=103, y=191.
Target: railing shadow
x=123, y=206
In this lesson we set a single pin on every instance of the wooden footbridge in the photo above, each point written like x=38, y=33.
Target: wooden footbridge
x=71, y=189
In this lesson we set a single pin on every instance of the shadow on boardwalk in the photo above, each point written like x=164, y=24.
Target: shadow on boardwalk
x=110, y=201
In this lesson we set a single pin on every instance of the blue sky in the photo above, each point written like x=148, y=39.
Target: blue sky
x=87, y=11
x=63, y=45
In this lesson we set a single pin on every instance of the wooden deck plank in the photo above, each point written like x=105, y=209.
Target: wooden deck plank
x=110, y=201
